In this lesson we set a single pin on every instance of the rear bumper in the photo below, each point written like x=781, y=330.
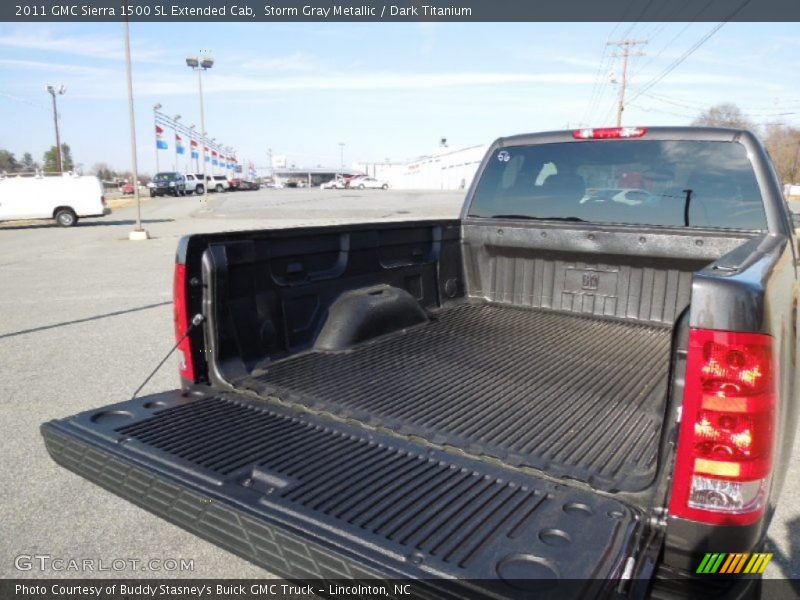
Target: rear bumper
x=105, y=213
x=666, y=587
x=165, y=191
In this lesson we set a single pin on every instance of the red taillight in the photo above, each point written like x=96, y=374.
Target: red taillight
x=609, y=133
x=181, y=308
x=727, y=432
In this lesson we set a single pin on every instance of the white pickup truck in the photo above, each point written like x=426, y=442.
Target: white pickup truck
x=65, y=198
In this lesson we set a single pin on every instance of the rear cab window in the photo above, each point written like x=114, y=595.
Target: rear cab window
x=672, y=183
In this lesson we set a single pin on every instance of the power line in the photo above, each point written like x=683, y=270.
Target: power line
x=690, y=51
x=756, y=116
x=598, y=77
x=770, y=111
x=599, y=87
x=679, y=34
x=690, y=105
x=638, y=19
x=679, y=60
x=24, y=101
x=665, y=112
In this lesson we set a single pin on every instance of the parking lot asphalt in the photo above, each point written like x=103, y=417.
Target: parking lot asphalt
x=86, y=316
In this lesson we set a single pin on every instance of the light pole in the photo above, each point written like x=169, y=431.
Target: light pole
x=201, y=65
x=156, y=106
x=341, y=160
x=176, y=118
x=52, y=90
x=213, y=146
x=139, y=233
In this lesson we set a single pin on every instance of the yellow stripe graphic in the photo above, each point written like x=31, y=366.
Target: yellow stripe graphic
x=751, y=564
x=767, y=558
x=742, y=558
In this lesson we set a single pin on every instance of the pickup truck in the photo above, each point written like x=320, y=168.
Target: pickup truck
x=169, y=183
x=556, y=391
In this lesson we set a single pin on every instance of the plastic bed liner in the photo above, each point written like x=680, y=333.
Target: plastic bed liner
x=308, y=497
x=574, y=396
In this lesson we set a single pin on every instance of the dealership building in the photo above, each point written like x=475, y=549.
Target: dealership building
x=444, y=169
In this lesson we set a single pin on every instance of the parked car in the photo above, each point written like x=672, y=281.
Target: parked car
x=334, y=184
x=194, y=183
x=127, y=189
x=631, y=197
x=65, y=198
x=348, y=179
x=589, y=399
x=168, y=183
x=219, y=183
x=242, y=184
x=369, y=183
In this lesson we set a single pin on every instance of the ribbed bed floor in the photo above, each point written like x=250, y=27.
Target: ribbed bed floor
x=574, y=396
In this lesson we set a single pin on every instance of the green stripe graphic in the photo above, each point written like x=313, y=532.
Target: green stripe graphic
x=718, y=564
x=701, y=568
x=711, y=562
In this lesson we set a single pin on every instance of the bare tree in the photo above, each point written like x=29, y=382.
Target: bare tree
x=783, y=144
x=103, y=171
x=726, y=114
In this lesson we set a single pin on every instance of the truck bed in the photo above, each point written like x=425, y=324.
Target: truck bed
x=577, y=397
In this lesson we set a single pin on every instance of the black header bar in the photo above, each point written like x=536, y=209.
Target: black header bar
x=398, y=10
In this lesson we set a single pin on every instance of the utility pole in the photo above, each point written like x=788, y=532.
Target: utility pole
x=53, y=91
x=139, y=233
x=625, y=53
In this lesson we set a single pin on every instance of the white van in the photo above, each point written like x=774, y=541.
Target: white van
x=65, y=198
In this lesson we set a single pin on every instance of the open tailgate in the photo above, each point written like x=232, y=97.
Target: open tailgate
x=309, y=497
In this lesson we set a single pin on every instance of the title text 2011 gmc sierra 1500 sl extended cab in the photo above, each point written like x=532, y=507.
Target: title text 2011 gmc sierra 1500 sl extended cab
x=589, y=376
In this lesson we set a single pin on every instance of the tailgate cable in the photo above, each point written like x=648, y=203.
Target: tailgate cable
x=197, y=320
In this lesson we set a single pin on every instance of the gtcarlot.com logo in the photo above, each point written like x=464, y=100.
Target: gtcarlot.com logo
x=734, y=563
x=46, y=562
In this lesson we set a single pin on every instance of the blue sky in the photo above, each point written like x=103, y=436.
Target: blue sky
x=386, y=90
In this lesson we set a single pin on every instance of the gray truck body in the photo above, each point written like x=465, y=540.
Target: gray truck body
x=490, y=400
